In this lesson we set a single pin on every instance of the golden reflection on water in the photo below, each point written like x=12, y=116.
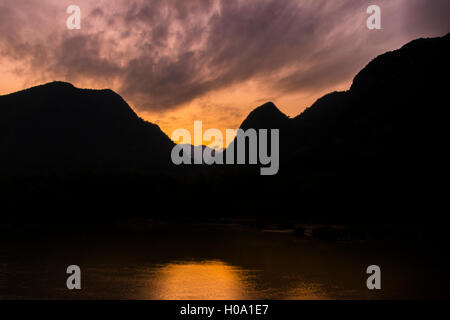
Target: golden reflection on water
x=217, y=280
x=306, y=291
x=206, y=280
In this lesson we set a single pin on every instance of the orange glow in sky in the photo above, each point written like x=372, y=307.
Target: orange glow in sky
x=175, y=62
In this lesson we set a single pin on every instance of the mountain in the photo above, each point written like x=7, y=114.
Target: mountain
x=374, y=150
x=56, y=128
x=79, y=157
x=392, y=116
x=265, y=116
x=393, y=111
x=373, y=154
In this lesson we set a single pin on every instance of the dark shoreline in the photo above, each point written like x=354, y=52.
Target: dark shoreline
x=326, y=232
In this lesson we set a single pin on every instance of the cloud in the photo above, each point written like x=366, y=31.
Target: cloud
x=163, y=54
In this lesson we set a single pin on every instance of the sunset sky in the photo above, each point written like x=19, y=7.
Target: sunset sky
x=178, y=61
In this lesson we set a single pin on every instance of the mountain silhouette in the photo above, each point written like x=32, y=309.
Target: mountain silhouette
x=375, y=149
x=78, y=155
x=392, y=112
x=267, y=116
x=57, y=128
x=371, y=154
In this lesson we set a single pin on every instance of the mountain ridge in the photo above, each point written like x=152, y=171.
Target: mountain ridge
x=353, y=156
x=57, y=122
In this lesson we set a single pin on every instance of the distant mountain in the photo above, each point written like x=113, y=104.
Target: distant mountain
x=193, y=151
x=56, y=128
x=264, y=117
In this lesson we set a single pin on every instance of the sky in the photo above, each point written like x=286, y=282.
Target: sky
x=176, y=61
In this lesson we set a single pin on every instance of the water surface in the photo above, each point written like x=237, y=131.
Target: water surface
x=213, y=263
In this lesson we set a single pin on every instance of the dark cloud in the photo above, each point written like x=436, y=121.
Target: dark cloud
x=165, y=53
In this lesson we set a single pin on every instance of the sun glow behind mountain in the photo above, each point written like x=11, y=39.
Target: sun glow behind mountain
x=179, y=61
